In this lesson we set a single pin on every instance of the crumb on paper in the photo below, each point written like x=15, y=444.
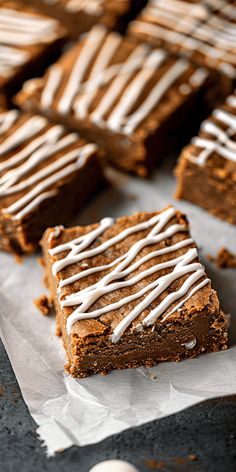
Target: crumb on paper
x=224, y=259
x=44, y=304
x=132, y=197
x=41, y=261
x=153, y=464
x=152, y=376
x=19, y=259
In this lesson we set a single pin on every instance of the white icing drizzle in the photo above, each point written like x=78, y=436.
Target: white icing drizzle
x=54, y=80
x=176, y=70
x=28, y=129
x=108, y=93
x=231, y=100
x=181, y=8
x=18, y=31
x=91, y=7
x=10, y=58
x=19, y=28
x=193, y=28
x=109, y=48
x=7, y=119
x=183, y=265
x=91, y=45
x=14, y=170
x=220, y=141
x=134, y=61
x=153, y=61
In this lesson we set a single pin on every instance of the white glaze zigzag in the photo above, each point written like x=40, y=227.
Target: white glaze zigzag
x=122, y=107
x=192, y=28
x=184, y=265
x=18, y=31
x=220, y=140
x=40, y=148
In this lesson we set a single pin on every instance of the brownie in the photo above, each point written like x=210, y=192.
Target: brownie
x=206, y=170
x=131, y=292
x=28, y=43
x=46, y=174
x=203, y=31
x=130, y=98
x=79, y=16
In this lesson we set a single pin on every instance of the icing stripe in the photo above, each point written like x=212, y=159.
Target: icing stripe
x=19, y=31
x=192, y=29
x=92, y=43
x=156, y=94
x=220, y=139
x=109, y=48
x=7, y=119
x=28, y=129
x=134, y=90
x=54, y=80
x=133, y=62
x=23, y=29
x=184, y=265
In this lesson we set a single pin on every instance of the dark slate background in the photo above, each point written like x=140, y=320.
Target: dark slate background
x=207, y=431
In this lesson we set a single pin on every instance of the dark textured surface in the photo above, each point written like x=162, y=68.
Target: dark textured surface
x=207, y=431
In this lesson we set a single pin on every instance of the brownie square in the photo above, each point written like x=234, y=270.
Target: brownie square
x=130, y=98
x=130, y=292
x=206, y=170
x=46, y=174
x=28, y=42
x=79, y=16
x=202, y=31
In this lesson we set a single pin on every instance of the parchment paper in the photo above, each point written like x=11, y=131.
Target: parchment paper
x=81, y=412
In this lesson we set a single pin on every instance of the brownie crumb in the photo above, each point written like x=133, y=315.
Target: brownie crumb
x=18, y=259
x=156, y=465
x=132, y=197
x=192, y=457
x=41, y=262
x=1, y=390
x=224, y=259
x=44, y=305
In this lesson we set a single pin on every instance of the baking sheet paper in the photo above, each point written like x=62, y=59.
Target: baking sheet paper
x=70, y=411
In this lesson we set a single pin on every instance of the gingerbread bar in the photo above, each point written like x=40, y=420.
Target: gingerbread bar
x=28, y=43
x=131, y=292
x=203, y=31
x=46, y=174
x=131, y=99
x=207, y=167
x=79, y=16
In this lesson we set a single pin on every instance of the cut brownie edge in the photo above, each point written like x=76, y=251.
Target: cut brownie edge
x=206, y=168
x=196, y=326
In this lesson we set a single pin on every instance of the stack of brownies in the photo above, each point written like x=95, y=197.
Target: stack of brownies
x=86, y=84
